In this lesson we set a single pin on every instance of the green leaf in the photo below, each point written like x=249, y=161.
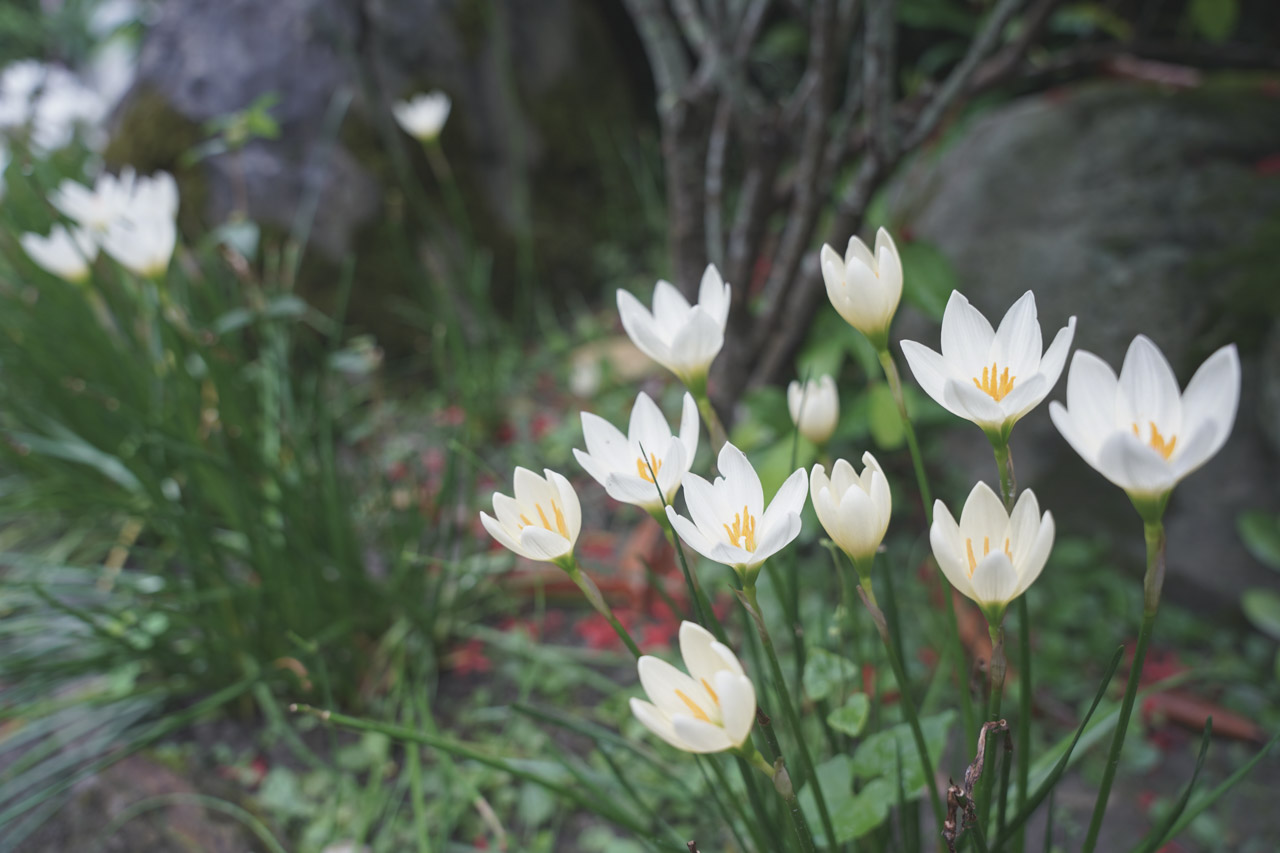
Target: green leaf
x=928, y=277
x=535, y=806
x=825, y=674
x=1214, y=19
x=852, y=815
x=852, y=716
x=883, y=418
x=1260, y=532
x=877, y=755
x=1262, y=606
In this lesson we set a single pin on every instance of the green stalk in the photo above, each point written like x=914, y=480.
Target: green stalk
x=589, y=589
x=904, y=691
x=998, y=668
x=1152, y=583
x=955, y=648
x=782, y=784
x=698, y=388
x=1009, y=491
x=789, y=709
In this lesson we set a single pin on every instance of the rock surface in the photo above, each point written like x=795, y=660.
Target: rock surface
x=1140, y=210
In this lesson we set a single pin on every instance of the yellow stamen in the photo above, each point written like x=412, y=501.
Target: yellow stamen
x=693, y=707
x=644, y=469
x=710, y=692
x=561, y=527
x=743, y=532
x=986, y=549
x=995, y=383
x=1157, y=441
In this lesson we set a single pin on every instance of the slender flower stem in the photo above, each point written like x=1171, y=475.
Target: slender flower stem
x=955, y=648
x=709, y=417
x=1151, y=586
x=1009, y=492
x=998, y=668
x=782, y=783
x=592, y=593
x=789, y=709
x=899, y=673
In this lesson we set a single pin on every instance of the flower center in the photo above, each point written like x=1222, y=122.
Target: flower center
x=1157, y=441
x=986, y=549
x=560, y=527
x=743, y=532
x=995, y=383
x=643, y=468
x=696, y=709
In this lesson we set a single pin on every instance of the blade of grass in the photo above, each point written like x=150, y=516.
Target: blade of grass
x=1157, y=836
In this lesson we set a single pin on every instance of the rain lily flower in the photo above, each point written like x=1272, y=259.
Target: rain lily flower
x=93, y=209
x=65, y=253
x=814, y=407
x=541, y=522
x=1137, y=430
x=992, y=556
x=854, y=508
x=142, y=246
x=682, y=338
x=626, y=464
x=865, y=287
x=712, y=709
x=992, y=378
x=423, y=116
x=730, y=523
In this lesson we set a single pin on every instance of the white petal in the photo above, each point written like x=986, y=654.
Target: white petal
x=1018, y=344
x=698, y=736
x=703, y=503
x=931, y=372
x=508, y=512
x=1025, y=396
x=661, y=681
x=945, y=540
x=1030, y=567
x=857, y=525
x=1024, y=524
x=569, y=504
x=856, y=252
x=630, y=489
x=774, y=538
x=1056, y=355
x=691, y=535
x=966, y=335
x=670, y=309
x=498, y=532
x=983, y=514
x=598, y=472
x=700, y=658
x=1213, y=395
x=655, y=721
x=689, y=426
x=538, y=543
x=530, y=489
x=638, y=323
x=714, y=296
x=1134, y=466
x=842, y=477
x=674, y=467
x=1091, y=401
x=737, y=705
x=1148, y=389
x=1067, y=427
x=972, y=403
x=696, y=344
x=994, y=580
x=789, y=500
x=742, y=478
x=1195, y=449
x=647, y=424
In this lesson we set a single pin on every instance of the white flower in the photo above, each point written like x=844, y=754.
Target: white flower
x=1137, y=430
x=854, y=508
x=541, y=522
x=423, y=116
x=113, y=199
x=992, y=556
x=730, y=524
x=865, y=287
x=814, y=407
x=682, y=338
x=65, y=253
x=709, y=710
x=142, y=246
x=990, y=378
x=625, y=464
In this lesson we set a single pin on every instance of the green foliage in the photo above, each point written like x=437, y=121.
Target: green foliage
x=851, y=717
x=1214, y=19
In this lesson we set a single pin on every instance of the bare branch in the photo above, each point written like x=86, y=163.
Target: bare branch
x=878, y=73
x=954, y=86
x=713, y=204
x=663, y=48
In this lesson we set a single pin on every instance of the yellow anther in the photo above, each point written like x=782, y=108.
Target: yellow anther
x=561, y=527
x=1158, y=442
x=986, y=549
x=643, y=469
x=710, y=692
x=995, y=383
x=693, y=706
x=743, y=532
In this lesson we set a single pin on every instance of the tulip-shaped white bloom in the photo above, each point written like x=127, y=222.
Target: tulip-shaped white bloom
x=814, y=407
x=992, y=556
x=625, y=464
x=143, y=246
x=854, y=508
x=541, y=522
x=97, y=208
x=148, y=197
x=992, y=378
x=682, y=338
x=730, y=523
x=1137, y=430
x=66, y=253
x=865, y=286
x=711, y=709
x=423, y=116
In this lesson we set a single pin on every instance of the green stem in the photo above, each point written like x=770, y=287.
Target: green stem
x=789, y=709
x=1009, y=492
x=592, y=593
x=1151, y=586
x=998, y=668
x=955, y=648
x=904, y=689
x=709, y=417
x=782, y=784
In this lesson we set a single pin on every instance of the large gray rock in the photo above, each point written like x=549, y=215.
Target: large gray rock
x=1139, y=210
